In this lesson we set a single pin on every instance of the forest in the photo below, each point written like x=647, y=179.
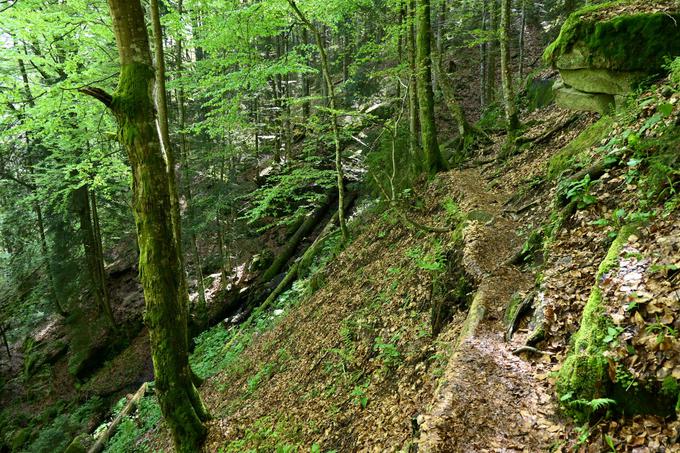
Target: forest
x=336, y=226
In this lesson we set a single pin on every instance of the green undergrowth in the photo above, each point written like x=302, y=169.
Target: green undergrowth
x=129, y=436
x=648, y=38
x=50, y=431
x=275, y=434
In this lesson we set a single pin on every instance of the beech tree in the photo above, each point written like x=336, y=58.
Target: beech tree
x=160, y=262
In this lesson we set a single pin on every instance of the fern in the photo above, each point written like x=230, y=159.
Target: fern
x=593, y=405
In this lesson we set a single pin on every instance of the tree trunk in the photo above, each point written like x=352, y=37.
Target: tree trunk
x=414, y=122
x=492, y=49
x=81, y=205
x=506, y=75
x=433, y=158
x=522, y=30
x=483, y=50
x=306, y=90
x=184, y=157
x=99, y=256
x=330, y=90
x=160, y=263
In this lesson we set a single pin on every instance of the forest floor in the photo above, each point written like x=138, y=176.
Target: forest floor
x=355, y=366
x=348, y=360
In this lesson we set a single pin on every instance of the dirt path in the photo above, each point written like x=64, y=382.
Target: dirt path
x=489, y=399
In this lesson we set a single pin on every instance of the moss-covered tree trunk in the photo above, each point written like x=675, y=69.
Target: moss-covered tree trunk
x=491, y=54
x=160, y=263
x=434, y=161
x=414, y=122
x=506, y=75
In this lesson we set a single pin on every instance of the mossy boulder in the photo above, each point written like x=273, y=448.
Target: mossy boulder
x=605, y=51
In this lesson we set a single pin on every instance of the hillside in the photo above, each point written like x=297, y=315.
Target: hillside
x=341, y=226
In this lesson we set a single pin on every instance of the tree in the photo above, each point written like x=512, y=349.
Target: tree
x=506, y=76
x=434, y=161
x=160, y=263
x=330, y=96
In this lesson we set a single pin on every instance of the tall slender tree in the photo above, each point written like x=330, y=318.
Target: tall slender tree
x=330, y=96
x=160, y=262
x=434, y=161
x=506, y=75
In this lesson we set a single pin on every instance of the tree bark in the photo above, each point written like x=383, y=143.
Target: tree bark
x=160, y=263
x=492, y=47
x=433, y=158
x=506, y=75
x=414, y=121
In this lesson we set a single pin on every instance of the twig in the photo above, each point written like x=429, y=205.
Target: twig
x=522, y=349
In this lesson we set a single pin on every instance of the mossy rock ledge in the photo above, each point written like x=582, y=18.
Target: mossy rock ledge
x=602, y=56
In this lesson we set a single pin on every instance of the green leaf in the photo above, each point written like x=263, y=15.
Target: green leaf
x=665, y=109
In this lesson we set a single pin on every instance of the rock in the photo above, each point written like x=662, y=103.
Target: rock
x=602, y=55
x=571, y=98
x=80, y=444
x=601, y=80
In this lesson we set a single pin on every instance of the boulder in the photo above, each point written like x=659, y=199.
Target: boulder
x=593, y=80
x=604, y=51
x=573, y=99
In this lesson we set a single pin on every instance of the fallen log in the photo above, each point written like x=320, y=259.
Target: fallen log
x=288, y=250
x=127, y=410
x=293, y=271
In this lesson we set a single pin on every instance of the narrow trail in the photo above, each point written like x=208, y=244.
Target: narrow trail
x=488, y=399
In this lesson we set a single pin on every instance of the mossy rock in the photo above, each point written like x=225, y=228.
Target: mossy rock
x=627, y=42
x=593, y=80
x=573, y=99
x=81, y=444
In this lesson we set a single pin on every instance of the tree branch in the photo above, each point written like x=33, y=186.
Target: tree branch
x=99, y=94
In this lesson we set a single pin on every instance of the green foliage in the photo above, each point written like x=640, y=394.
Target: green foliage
x=290, y=192
x=387, y=353
x=132, y=428
x=57, y=435
x=673, y=67
x=359, y=395
x=579, y=192
x=266, y=434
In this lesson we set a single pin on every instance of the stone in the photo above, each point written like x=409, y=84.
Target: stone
x=603, y=55
x=593, y=80
x=573, y=99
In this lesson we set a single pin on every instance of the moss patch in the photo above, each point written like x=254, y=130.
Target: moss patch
x=575, y=154
x=583, y=375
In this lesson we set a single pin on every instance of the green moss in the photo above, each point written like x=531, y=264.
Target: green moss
x=583, y=375
x=626, y=43
x=511, y=309
x=576, y=152
x=132, y=98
